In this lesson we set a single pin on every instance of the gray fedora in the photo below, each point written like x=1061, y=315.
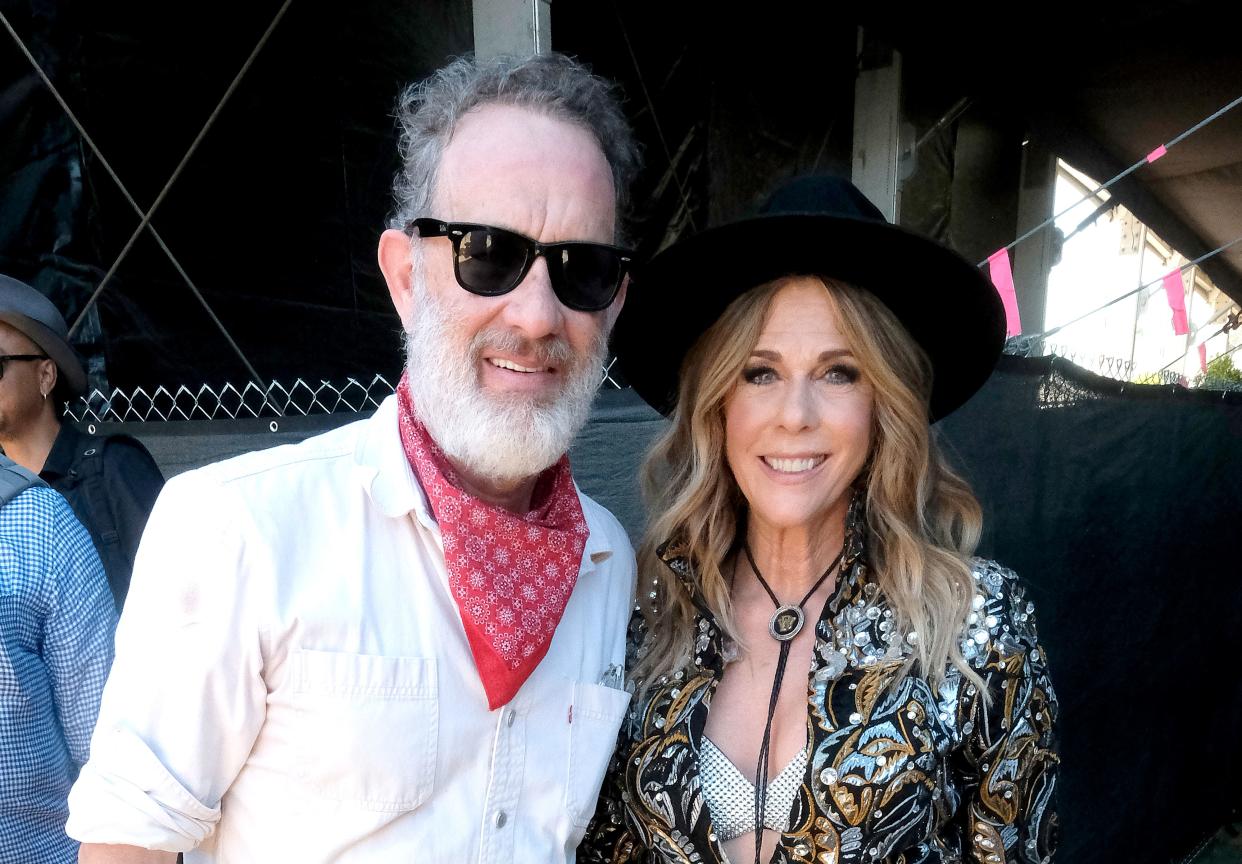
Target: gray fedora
x=25, y=309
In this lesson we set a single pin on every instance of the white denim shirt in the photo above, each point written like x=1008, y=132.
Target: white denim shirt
x=293, y=683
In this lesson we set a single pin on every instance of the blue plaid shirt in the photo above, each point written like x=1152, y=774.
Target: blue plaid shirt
x=56, y=624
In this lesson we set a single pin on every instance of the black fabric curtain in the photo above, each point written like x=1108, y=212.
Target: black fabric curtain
x=1117, y=503
x=275, y=217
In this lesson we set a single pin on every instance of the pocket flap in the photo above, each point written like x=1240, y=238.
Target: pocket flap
x=597, y=702
x=334, y=673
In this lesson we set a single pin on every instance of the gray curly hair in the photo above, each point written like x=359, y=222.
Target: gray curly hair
x=560, y=86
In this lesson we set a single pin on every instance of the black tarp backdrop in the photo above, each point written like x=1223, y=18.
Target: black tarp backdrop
x=734, y=100
x=1117, y=503
x=41, y=184
x=275, y=217
x=1118, y=506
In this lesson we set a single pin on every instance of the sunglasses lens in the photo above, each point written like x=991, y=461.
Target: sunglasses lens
x=491, y=261
x=586, y=276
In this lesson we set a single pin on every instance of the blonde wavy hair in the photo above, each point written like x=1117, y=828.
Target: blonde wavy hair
x=923, y=521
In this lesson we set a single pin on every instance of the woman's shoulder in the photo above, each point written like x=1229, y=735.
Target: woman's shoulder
x=1002, y=613
x=991, y=577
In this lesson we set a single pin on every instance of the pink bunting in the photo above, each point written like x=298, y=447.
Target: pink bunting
x=1203, y=357
x=1176, y=294
x=1002, y=278
x=1156, y=154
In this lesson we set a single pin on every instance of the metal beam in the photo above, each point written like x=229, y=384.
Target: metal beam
x=877, y=126
x=1034, y=259
x=512, y=27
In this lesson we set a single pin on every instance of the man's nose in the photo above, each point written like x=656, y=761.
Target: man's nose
x=532, y=308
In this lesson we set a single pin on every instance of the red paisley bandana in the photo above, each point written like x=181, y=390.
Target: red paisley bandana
x=510, y=575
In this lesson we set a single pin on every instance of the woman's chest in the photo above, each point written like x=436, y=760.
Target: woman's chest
x=877, y=777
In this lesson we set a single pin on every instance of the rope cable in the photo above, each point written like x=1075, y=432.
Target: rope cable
x=1150, y=157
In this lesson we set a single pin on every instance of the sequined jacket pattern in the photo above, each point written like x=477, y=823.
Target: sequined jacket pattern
x=899, y=772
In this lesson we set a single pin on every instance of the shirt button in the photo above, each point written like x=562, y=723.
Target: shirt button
x=501, y=819
x=509, y=715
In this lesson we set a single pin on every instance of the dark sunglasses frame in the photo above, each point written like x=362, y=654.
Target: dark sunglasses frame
x=5, y=358
x=566, y=291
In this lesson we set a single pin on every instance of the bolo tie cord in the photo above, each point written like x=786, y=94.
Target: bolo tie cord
x=761, y=770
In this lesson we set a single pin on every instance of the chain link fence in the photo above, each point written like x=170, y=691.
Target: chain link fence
x=303, y=398
x=1119, y=368
x=231, y=402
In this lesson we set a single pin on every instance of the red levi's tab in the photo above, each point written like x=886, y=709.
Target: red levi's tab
x=511, y=576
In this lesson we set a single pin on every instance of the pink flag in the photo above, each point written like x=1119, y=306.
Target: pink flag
x=1203, y=357
x=1176, y=294
x=1156, y=154
x=1002, y=278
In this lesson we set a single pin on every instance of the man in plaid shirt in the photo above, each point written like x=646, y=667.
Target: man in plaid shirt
x=56, y=625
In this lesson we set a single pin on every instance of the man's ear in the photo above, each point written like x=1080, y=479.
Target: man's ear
x=394, y=263
x=48, y=376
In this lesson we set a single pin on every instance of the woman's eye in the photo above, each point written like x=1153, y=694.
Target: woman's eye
x=759, y=375
x=842, y=373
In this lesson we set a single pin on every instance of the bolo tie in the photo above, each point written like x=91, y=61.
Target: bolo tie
x=786, y=623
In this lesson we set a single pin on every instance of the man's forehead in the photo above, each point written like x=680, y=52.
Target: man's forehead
x=515, y=132
x=526, y=170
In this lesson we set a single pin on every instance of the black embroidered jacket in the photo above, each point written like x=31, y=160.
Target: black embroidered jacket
x=899, y=772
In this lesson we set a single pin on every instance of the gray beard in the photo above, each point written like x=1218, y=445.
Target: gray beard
x=503, y=437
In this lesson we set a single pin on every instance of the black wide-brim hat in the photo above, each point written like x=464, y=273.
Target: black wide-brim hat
x=814, y=226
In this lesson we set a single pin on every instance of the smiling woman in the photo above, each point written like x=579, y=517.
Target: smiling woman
x=798, y=426
x=799, y=482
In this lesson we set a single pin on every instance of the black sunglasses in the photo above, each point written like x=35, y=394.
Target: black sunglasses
x=5, y=358
x=492, y=261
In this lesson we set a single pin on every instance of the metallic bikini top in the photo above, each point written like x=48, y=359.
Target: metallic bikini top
x=730, y=796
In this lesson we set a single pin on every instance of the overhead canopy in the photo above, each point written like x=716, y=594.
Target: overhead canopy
x=1103, y=85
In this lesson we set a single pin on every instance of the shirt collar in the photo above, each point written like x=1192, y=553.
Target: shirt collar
x=384, y=471
x=386, y=475
x=599, y=545
x=64, y=450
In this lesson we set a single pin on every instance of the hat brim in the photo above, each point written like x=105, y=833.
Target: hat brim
x=947, y=305
x=66, y=360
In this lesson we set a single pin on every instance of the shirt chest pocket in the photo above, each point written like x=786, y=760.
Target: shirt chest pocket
x=595, y=720
x=367, y=728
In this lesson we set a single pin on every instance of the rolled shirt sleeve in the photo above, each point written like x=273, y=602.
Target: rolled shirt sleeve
x=186, y=697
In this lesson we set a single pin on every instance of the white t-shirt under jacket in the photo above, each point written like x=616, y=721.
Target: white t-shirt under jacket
x=293, y=684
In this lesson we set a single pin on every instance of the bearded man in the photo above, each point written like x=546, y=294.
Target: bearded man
x=402, y=640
